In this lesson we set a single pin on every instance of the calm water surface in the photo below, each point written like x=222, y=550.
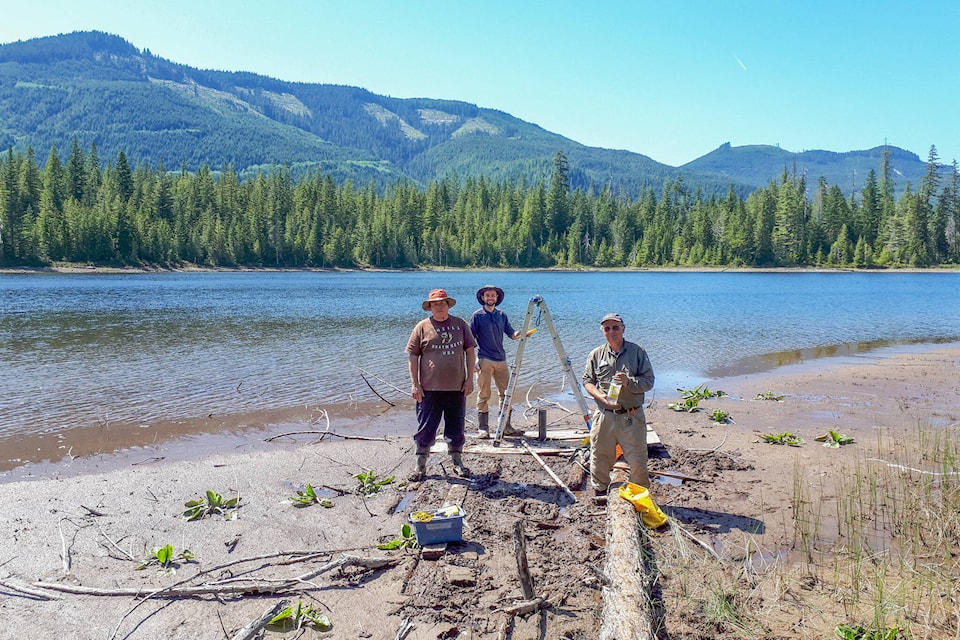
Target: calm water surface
x=81, y=350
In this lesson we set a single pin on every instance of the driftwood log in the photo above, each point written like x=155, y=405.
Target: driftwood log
x=627, y=611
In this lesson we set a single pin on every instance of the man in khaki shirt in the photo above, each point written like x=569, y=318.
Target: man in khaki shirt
x=620, y=419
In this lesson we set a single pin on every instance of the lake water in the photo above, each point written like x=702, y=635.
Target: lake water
x=77, y=350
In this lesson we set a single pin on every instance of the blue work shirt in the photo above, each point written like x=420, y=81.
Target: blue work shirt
x=488, y=328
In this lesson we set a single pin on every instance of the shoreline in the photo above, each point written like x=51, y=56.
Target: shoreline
x=100, y=270
x=104, y=448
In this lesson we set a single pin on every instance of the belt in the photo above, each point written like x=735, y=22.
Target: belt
x=634, y=410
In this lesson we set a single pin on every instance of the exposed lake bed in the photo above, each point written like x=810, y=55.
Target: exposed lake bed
x=773, y=508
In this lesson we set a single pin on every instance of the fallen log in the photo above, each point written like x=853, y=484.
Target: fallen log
x=627, y=611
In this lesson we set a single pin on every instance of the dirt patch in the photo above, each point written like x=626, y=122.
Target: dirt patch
x=462, y=592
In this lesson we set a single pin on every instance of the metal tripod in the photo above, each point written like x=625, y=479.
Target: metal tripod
x=537, y=302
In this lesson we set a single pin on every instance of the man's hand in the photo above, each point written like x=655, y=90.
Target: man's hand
x=610, y=404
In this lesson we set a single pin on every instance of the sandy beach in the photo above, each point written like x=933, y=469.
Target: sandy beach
x=85, y=523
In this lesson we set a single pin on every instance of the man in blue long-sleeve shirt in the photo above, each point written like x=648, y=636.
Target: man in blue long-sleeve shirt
x=489, y=325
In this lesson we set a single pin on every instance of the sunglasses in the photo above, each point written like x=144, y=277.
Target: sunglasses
x=615, y=327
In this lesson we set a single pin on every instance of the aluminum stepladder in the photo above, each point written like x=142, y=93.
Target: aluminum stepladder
x=538, y=302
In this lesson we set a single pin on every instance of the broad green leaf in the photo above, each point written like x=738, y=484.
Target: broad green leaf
x=283, y=615
x=164, y=554
x=390, y=546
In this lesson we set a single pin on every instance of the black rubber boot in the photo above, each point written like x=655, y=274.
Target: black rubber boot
x=461, y=469
x=421, y=471
x=484, y=429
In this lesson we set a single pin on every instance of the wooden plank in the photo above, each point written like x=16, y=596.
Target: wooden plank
x=579, y=434
x=491, y=450
x=550, y=448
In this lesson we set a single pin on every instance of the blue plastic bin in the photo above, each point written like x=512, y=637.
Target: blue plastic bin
x=442, y=527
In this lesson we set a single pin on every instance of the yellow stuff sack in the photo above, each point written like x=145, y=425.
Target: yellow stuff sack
x=650, y=513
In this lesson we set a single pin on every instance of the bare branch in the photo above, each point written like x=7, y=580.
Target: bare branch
x=260, y=587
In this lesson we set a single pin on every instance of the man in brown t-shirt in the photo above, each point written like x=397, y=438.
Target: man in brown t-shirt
x=442, y=355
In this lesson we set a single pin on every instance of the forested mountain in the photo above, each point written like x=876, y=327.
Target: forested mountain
x=114, y=156
x=103, y=91
x=752, y=165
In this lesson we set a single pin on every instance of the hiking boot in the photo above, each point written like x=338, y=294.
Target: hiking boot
x=600, y=496
x=420, y=473
x=458, y=465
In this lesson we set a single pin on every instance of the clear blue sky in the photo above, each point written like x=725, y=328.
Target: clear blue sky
x=672, y=80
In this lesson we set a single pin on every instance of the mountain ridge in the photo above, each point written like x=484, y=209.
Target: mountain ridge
x=103, y=90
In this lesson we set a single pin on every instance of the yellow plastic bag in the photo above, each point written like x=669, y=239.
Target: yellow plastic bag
x=650, y=513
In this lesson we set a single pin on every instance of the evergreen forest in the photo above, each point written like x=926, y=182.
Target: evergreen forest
x=82, y=210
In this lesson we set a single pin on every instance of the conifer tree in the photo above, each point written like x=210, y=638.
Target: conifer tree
x=557, y=209
x=51, y=227
x=870, y=209
x=76, y=172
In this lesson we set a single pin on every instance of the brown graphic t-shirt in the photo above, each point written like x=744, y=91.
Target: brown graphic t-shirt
x=441, y=347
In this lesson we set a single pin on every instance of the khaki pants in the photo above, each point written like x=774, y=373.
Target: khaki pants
x=629, y=430
x=500, y=373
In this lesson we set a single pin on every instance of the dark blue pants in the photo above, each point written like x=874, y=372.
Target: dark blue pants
x=449, y=405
